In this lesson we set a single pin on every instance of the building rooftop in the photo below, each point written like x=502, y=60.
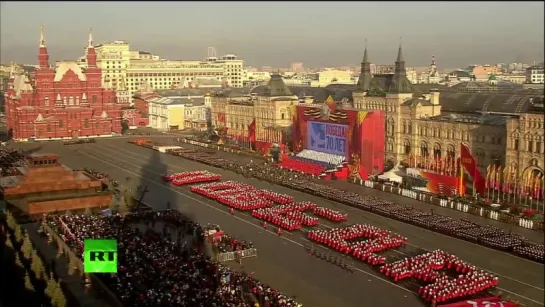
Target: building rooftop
x=196, y=101
x=477, y=119
x=488, y=102
x=537, y=66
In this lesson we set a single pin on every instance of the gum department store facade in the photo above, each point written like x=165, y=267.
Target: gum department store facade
x=501, y=125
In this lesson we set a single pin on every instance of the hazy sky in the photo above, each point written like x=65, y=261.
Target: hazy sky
x=277, y=33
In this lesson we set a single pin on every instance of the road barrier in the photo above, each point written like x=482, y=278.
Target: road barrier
x=230, y=256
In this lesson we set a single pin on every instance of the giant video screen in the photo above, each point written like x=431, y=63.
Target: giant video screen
x=326, y=137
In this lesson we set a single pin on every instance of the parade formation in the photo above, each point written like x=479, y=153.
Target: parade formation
x=489, y=236
x=363, y=242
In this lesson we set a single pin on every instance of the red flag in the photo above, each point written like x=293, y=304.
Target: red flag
x=251, y=131
x=470, y=165
x=498, y=178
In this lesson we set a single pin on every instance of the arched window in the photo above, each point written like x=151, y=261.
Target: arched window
x=86, y=122
x=46, y=101
x=94, y=99
x=423, y=149
x=515, y=141
x=65, y=100
x=77, y=100
x=495, y=158
x=390, y=146
x=451, y=152
x=437, y=150
x=409, y=127
x=71, y=100
x=390, y=126
x=407, y=146
x=480, y=155
x=282, y=116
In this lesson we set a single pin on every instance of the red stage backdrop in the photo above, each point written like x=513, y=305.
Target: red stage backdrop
x=434, y=182
x=358, y=135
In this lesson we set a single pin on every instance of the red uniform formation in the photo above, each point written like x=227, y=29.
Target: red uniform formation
x=330, y=214
x=364, y=242
x=288, y=215
x=376, y=240
x=442, y=288
x=185, y=178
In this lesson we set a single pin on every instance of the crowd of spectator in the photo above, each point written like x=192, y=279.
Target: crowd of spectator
x=155, y=271
x=9, y=160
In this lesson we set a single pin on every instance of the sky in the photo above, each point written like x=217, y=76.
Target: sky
x=319, y=34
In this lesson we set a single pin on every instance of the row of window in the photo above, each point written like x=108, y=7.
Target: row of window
x=70, y=100
x=70, y=85
x=177, y=74
x=531, y=146
x=450, y=134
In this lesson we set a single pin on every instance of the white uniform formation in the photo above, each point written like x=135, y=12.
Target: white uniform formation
x=485, y=235
x=331, y=159
x=185, y=178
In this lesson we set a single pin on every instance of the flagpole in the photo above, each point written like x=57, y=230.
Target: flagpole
x=488, y=170
x=461, y=178
x=475, y=178
x=493, y=181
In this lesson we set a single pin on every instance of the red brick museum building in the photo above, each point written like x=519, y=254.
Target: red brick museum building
x=63, y=102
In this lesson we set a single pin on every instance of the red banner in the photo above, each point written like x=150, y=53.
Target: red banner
x=470, y=165
x=493, y=301
x=251, y=131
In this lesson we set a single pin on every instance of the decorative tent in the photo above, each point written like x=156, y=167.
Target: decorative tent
x=391, y=175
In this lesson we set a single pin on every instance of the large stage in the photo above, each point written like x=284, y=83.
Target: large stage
x=356, y=135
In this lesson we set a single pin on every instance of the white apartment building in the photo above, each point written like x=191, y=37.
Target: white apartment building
x=327, y=77
x=127, y=71
x=534, y=74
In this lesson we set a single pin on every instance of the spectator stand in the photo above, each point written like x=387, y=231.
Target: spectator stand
x=91, y=280
x=144, y=256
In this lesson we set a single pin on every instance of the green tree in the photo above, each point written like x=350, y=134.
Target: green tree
x=28, y=283
x=50, y=287
x=8, y=242
x=18, y=233
x=18, y=261
x=27, y=248
x=11, y=220
x=37, y=265
x=59, y=300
